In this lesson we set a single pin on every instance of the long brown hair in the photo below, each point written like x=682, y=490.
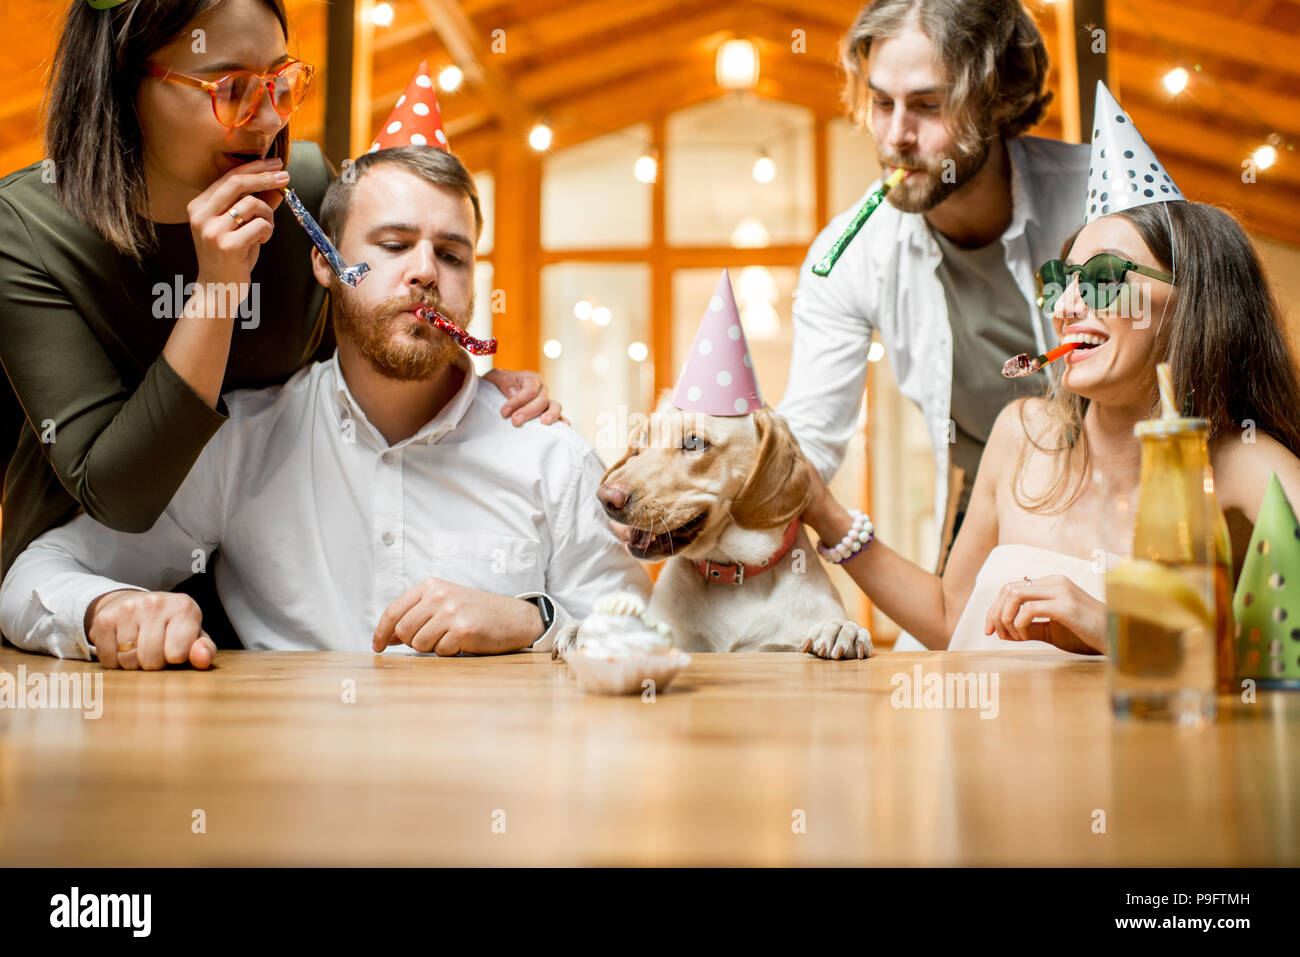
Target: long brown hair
x=92, y=132
x=988, y=51
x=1222, y=336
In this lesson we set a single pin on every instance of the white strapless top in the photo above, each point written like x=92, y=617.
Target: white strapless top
x=1011, y=563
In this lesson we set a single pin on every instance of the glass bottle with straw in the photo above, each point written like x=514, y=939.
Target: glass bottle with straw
x=1170, y=604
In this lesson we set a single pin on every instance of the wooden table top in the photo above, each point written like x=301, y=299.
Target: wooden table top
x=752, y=759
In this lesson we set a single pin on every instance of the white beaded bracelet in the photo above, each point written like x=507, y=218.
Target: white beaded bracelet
x=858, y=537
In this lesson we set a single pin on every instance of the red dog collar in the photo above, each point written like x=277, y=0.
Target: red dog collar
x=733, y=573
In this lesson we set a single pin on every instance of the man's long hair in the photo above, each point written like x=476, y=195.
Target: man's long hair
x=989, y=54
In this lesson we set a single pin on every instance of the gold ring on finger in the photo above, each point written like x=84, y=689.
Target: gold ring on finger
x=235, y=216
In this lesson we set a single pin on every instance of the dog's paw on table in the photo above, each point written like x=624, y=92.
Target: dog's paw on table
x=565, y=640
x=837, y=639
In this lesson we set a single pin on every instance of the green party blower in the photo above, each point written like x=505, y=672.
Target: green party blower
x=823, y=268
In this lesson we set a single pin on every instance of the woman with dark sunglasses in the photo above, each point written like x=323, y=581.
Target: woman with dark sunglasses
x=1174, y=282
x=147, y=266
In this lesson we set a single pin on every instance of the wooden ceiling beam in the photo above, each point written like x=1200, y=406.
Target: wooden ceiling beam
x=404, y=54
x=819, y=98
x=532, y=42
x=632, y=100
x=773, y=32
x=636, y=99
x=507, y=13
x=394, y=37
x=825, y=17
x=1221, y=97
x=604, y=24
x=668, y=86
x=1265, y=213
x=461, y=38
x=644, y=48
x=1220, y=65
x=637, y=52
x=1214, y=147
x=791, y=67
x=574, y=33
x=1207, y=130
x=1189, y=29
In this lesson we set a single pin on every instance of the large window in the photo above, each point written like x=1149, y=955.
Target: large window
x=712, y=152
x=595, y=347
x=590, y=197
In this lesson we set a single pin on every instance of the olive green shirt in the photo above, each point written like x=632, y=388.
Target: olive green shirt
x=101, y=420
x=989, y=325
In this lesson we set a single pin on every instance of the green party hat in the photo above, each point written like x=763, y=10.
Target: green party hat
x=1267, y=603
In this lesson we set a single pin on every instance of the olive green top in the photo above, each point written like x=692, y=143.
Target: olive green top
x=102, y=421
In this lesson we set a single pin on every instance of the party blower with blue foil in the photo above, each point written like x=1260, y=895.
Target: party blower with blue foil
x=349, y=275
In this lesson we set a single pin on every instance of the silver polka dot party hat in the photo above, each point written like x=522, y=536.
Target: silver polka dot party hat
x=1123, y=172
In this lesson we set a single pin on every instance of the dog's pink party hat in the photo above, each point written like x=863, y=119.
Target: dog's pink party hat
x=718, y=377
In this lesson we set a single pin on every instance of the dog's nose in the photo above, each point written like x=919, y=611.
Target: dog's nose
x=613, y=497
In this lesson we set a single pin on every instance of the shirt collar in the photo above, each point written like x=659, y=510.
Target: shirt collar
x=1022, y=197
x=441, y=425
x=917, y=231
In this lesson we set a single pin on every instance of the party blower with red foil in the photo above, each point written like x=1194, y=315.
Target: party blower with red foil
x=478, y=347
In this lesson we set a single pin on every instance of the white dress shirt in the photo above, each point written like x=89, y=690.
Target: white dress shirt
x=886, y=280
x=321, y=524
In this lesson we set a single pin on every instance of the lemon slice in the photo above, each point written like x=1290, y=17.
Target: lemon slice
x=1157, y=593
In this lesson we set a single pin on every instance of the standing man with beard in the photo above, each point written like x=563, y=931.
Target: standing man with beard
x=376, y=499
x=944, y=270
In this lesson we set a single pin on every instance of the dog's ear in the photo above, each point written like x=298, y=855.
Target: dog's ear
x=779, y=486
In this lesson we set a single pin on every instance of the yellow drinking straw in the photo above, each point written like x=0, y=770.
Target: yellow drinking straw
x=1165, y=378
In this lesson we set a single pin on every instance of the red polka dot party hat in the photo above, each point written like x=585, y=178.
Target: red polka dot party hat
x=416, y=119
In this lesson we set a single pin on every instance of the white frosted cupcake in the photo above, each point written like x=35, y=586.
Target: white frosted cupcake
x=619, y=647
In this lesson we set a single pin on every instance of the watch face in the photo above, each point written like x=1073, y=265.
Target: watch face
x=548, y=614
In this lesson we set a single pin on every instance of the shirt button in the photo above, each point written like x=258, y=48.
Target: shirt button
x=388, y=538
x=387, y=458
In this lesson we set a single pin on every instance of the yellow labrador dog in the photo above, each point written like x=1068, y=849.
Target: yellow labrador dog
x=720, y=498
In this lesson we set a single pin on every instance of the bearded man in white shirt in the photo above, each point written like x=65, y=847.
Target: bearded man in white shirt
x=944, y=270
x=373, y=500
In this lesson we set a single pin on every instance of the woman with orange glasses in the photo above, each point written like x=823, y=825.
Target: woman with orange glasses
x=147, y=266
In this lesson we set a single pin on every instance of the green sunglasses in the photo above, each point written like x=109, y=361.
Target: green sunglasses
x=1100, y=279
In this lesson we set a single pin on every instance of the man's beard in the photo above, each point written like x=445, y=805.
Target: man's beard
x=925, y=189
x=372, y=332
